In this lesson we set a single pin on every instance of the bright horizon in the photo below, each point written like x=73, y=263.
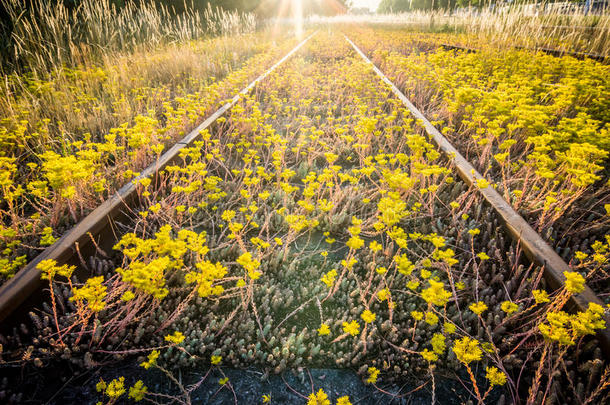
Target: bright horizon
x=370, y=4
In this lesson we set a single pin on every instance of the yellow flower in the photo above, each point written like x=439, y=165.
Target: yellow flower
x=417, y=315
x=575, y=283
x=101, y=386
x=116, y=388
x=223, y=381
x=266, y=398
x=446, y=256
x=449, y=328
x=47, y=237
x=323, y=330
x=581, y=255
x=509, y=307
x=404, y=265
x=152, y=359
x=557, y=328
x=585, y=323
x=374, y=246
x=436, y=294
x=373, y=374
x=228, y=215
x=431, y=318
x=383, y=295
x=93, y=292
x=250, y=265
x=138, y=391
x=355, y=243
x=368, y=316
x=49, y=269
x=215, y=360
x=428, y=355
x=353, y=328
x=318, y=399
x=483, y=256
x=540, y=296
x=175, y=338
x=482, y=183
x=467, y=350
x=329, y=278
x=343, y=400
x=495, y=376
x=127, y=296
x=478, y=307
x=438, y=343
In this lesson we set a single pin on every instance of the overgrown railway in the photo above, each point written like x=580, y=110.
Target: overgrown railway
x=100, y=222
x=289, y=173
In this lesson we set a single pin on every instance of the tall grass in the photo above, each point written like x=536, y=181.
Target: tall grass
x=44, y=35
x=571, y=31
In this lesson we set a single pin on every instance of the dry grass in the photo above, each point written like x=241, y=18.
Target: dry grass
x=511, y=26
x=47, y=35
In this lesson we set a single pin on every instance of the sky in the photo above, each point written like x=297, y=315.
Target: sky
x=370, y=4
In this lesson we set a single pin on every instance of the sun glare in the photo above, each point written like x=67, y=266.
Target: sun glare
x=297, y=16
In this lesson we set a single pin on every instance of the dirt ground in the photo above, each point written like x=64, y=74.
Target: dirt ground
x=248, y=387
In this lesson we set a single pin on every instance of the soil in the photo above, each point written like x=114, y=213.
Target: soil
x=245, y=387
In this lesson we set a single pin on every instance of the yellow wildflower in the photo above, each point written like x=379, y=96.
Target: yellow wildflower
x=175, y=338
x=320, y=398
x=323, y=330
x=495, y=376
x=368, y=316
x=467, y=350
x=436, y=294
x=353, y=328
x=138, y=391
x=575, y=283
x=540, y=296
x=478, y=307
x=509, y=307
x=373, y=374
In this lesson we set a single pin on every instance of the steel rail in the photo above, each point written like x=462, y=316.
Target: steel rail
x=534, y=246
x=19, y=288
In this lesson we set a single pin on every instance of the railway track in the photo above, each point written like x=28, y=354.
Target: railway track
x=97, y=230
x=266, y=324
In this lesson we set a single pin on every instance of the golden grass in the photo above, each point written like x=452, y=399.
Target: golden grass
x=47, y=35
x=510, y=26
